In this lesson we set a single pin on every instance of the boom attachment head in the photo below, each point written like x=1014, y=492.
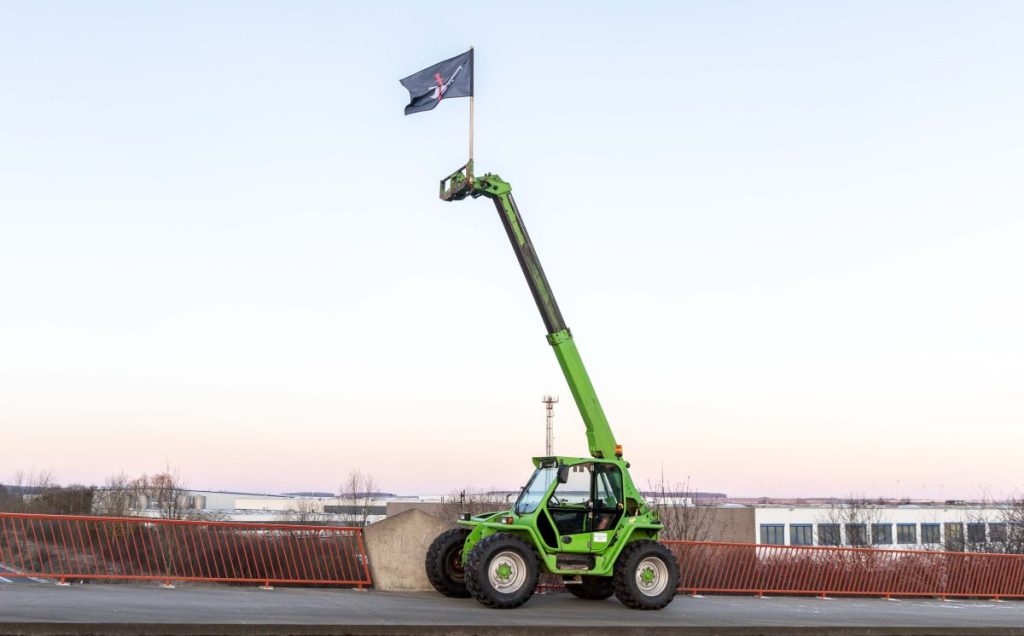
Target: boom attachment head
x=458, y=185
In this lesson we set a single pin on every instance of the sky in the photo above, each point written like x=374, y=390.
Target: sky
x=787, y=237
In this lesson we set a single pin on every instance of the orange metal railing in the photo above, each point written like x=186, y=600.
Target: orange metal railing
x=826, y=571
x=64, y=548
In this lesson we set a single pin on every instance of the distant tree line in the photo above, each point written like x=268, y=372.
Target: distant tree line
x=36, y=492
x=166, y=495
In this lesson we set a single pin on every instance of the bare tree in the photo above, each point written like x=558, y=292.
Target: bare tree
x=16, y=496
x=1003, y=536
x=25, y=488
x=474, y=502
x=10, y=499
x=166, y=493
x=37, y=492
x=307, y=512
x=1013, y=517
x=356, y=494
x=118, y=496
x=683, y=518
x=34, y=479
x=855, y=518
x=73, y=499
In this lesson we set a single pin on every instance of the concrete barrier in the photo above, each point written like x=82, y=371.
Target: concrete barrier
x=397, y=547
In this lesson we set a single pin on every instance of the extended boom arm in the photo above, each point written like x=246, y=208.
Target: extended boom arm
x=461, y=184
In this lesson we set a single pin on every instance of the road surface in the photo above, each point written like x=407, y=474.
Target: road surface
x=146, y=608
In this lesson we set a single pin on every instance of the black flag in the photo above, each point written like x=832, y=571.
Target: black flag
x=450, y=78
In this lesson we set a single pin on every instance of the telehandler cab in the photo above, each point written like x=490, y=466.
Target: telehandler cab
x=580, y=518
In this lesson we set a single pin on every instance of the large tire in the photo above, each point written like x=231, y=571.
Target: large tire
x=502, y=571
x=444, y=563
x=646, y=575
x=591, y=588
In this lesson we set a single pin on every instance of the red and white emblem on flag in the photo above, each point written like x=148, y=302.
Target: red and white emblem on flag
x=442, y=85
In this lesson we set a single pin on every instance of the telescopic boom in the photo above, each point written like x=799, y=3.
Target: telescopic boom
x=461, y=184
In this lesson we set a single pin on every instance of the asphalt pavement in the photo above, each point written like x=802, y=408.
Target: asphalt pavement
x=150, y=609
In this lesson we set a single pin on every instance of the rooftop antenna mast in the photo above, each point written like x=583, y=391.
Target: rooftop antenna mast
x=549, y=440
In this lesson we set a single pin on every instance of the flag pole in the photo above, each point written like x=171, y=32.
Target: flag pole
x=472, y=75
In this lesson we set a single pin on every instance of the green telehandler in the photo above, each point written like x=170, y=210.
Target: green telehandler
x=579, y=518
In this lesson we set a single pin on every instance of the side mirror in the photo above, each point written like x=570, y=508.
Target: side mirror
x=563, y=474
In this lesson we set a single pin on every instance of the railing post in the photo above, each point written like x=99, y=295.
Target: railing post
x=366, y=560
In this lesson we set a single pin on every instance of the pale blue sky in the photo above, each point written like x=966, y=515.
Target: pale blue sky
x=786, y=235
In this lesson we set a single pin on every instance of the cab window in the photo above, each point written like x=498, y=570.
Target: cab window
x=607, y=496
x=569, y=505
x=576, y=489
x=533, y=494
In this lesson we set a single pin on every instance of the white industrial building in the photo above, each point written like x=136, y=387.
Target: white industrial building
x=259, y=508
x=895, y=526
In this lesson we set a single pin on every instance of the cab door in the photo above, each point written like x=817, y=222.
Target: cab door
x=585, y=507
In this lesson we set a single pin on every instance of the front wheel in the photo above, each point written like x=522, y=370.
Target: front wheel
x=444, y=563
x=646, y=575
x=502, y=571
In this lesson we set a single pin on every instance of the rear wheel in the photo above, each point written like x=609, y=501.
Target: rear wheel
x=502, y=571
x=591, y=588
x=444, y=563
x=646, y=575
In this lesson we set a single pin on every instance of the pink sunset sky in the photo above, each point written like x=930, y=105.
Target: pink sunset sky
x=789, y=249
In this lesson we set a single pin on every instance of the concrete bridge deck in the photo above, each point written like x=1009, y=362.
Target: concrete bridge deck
x=149, y=609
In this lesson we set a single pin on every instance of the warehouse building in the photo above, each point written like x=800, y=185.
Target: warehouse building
x=951, y=525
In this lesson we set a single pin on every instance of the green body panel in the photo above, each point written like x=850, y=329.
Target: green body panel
x=637, y=520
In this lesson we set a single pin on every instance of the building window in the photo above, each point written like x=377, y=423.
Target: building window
x=930, y=533
x=1015, y=532
x=828, y=534
x=906, y=533
x=997, y=532
x=976, y=533
x=857, y=534
x=801, y=535
x=881, y=533
x=773, y=534
x=954, y=537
